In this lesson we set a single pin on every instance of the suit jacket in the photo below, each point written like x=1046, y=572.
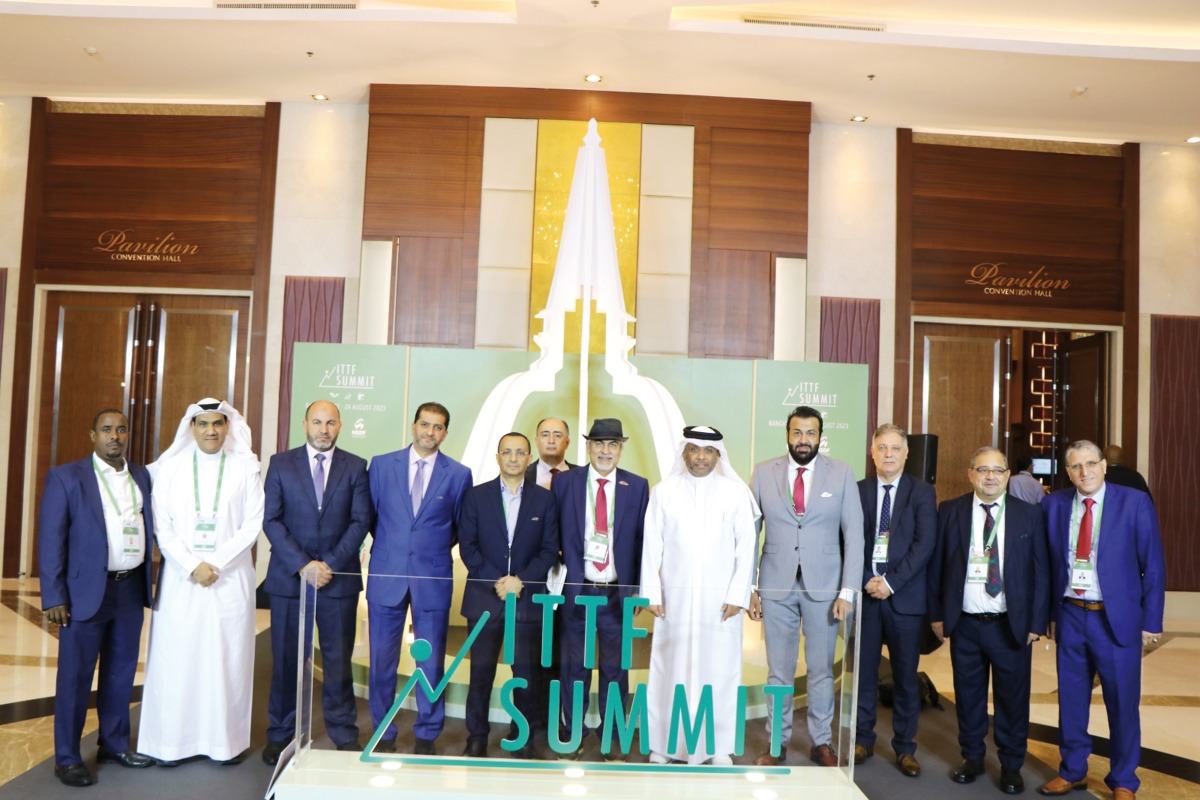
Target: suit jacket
x=631, y=493
x=1129, y=560
x=1026, y=571
x=531, y=471
x=408, y=547
x=483, y=545
x=73, y=542
x=911, y=543
x=827, y=546
x=300, y=532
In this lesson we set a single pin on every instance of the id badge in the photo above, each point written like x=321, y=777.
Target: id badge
x=205, y=539
x=131, y=538
x=977, y=569
x=1083, y=576
x=597, y=548
x=879, y=552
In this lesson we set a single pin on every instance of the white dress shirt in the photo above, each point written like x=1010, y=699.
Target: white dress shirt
x=591, y=571
x=129, y=498
x=976, y=600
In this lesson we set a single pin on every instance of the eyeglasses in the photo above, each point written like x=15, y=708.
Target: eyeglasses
x=1091, y=465
x=511, y=453
x=985, y=471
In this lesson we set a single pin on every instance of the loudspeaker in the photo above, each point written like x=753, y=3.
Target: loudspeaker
x=922, y=457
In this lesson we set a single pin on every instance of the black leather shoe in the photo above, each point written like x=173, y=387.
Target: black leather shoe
x=1011, y=781
x=73, y=775
x=231, y=762
x=347, y=746
x=423, y=747
x=167, y=763
x=386, y=746
x=967, y=771
x=127, y=759
x=476, y=748
x=272, y=752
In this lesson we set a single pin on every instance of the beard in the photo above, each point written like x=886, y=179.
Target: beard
x=803, y=454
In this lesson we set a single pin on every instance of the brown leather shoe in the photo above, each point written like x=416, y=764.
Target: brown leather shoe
x=1121, y=793
x=861, y=754
x=1059, y=786
x=768, y=760
x=908, y=765
x=823, y=754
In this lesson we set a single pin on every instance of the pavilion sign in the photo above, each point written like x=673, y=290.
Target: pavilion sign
x=1000, y=279
x=123, y=245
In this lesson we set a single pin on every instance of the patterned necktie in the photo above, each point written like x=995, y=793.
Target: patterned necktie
x=602, y=520
x=1083, y=548
x=418, y=487
x=798, y=492
x=995, y=584
x=319, y=479
x=885, y=518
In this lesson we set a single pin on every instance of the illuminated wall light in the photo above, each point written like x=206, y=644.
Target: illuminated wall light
x=574, y=772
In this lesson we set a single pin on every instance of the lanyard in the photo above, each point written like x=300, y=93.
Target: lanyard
x=995, y=526
x=1077, y=518
x=612, y=507
x=112, y=497
x=196, y=482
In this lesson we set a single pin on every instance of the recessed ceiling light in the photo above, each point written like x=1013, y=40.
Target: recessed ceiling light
x=593, y=78
x=858, y=118
x=1193, y=140
x=320, y=98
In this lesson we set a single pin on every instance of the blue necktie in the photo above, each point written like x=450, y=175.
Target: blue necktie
x=995, y=584
x=885, y=520
x=418, y=488
x=319, y=479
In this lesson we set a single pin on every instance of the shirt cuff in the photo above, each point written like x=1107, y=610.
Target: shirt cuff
x=847, y=595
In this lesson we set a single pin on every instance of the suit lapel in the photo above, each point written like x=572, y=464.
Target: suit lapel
x=437, y=477
x=402, y=479
x=337, y=470
x=87, y=477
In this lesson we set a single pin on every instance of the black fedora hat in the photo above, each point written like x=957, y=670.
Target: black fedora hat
x=606, y=429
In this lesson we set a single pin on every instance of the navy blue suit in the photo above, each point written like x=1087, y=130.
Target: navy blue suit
x=483, y=545
x=106, y=614
x=631, y=494
x=1108, y=642
x=898, y=619
x=404, y=551
x=978, y=646
x=301, y=532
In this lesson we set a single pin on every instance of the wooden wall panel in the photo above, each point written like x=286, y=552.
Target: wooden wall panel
x=426, y=311
x=988, y=277
x=758, y=191
x=739, y=288
x=850, y=335
x=312, y=312
x=162, y=142
x=1174, y=441
x=151, y=194
x=424, y=168
x=111, y=243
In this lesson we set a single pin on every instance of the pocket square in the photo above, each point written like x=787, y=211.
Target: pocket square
x=534, y=519
x=622, y=483
x=826, y=494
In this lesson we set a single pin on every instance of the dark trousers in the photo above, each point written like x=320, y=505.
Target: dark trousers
x=902, y=634
x=608, y=655
x=336, y=620
x=485, y=653
x=113, y=635
x=1087, y=647
x=977, y=648
x=386, y=627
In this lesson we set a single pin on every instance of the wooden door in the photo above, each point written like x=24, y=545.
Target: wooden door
x=960, y=394
x=1083, y=394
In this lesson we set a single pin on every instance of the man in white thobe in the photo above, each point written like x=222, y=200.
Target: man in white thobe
x=208, y=512
x=697, y=568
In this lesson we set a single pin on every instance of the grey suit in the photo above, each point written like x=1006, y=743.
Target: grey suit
x=798, y=577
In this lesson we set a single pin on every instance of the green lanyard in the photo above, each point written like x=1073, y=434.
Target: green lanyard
x=136, y=509
x=196, y=482
x=995, y=526
x=1077, y=517
x=612, y=507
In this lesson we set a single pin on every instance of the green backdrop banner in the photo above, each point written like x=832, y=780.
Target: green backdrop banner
x=378, y=387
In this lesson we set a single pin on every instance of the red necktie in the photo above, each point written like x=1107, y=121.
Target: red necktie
x=798, y=491
x=553, y=471
x=1083, y=548
x=602, y=519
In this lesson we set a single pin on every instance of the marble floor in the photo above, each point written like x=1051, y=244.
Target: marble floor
x=1170, y=697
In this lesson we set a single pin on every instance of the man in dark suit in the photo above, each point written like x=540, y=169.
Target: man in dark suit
x=1106, y=604
x=417, y=493
x=989, y=585
x=1120, y=474
x=900, y=533
x=508, y=538
x=317, y=513
x=601, y=513
x=94, y=535
x=552, y=439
